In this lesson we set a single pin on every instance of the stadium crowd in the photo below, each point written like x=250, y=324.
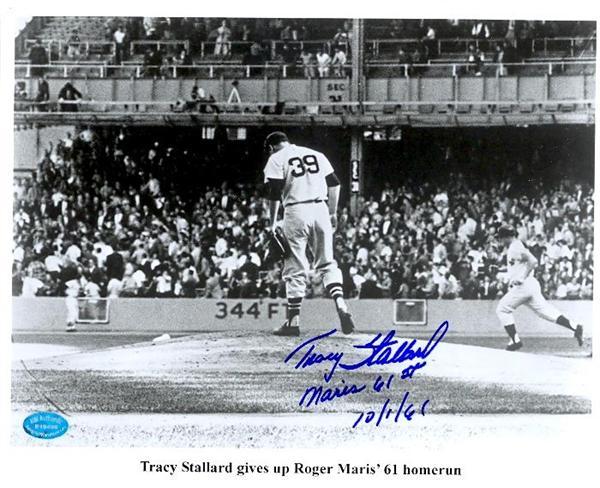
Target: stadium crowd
x=222, y=31
x=126, y=220
x=318, y=47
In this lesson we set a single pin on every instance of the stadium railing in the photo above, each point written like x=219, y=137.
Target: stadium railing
x=377, y=48
x=317, y=107
x=87, y=47
x=311, y=45
x=570, y=45
x=94, y=69
x=86, y=69
x=233, y=48
x=171, y=45
x=548, y=67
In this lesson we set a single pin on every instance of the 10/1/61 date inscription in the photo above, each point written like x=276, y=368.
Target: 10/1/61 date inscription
x=390, y=413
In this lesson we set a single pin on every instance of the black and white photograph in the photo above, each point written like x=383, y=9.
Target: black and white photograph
x=293, y=232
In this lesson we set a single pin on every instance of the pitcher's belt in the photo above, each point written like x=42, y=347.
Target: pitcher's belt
x=315, y=200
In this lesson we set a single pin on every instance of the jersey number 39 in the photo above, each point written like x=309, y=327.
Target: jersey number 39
x=306, y=164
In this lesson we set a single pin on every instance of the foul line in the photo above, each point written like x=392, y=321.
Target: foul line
x=41, y=393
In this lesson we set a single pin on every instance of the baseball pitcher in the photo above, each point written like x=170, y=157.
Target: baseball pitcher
x=303, y=180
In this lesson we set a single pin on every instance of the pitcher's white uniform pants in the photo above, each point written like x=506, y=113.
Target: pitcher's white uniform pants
x=530, y=294
x=308, y=224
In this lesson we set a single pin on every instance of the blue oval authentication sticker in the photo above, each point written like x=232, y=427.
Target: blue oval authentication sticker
x=45, y=425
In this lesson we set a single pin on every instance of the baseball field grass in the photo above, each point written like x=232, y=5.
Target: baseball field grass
x=201, y=380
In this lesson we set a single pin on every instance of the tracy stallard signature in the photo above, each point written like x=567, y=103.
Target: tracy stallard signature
x=379, y=351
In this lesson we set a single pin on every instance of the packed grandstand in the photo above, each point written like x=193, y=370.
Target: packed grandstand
x=169, y=47
x=163, y=212
x=157, y=214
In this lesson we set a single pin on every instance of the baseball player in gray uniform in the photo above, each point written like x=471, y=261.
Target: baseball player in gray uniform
x=524, y=289
x=303, y=180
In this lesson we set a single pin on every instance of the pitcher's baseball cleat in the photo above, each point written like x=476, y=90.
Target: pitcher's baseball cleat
x=289, y=328
x=346, y=322
x=514, y=346
x=71, y=328
x=579, y=335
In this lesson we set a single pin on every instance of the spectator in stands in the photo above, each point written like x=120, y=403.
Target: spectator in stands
x=68, y=96
x=323, y=63
x=338, y=63
x=192, y=105
x=213, y=284
x=246, y=34
x=525, y=36
x=166, y=67
x=510, y=36
x=288, y=54
x=418, y=57
x=21, y=96
x=480, y=30
x=429, y=40
x=149, y=24
x=340, y=39
x=308, y=63
x=152, y=62
x=95, y=273
x=475, y=60
x=42, y=97
x=183, y=60
x=286, y=33
x=189, y=282
x=370, y=288
x=91, y=289
x=488, y=289
x=130, y=285
x=167, y=29
x=114, y=264
x=301, y=33
x=499, y=59
x=32, y=286
x=247, y=287
x=509, y=57
x=38, y=56
x=255, y=58
x=119, y=40
x=222, y=41
x=74, y=45
x=162, y=285
x=114, y=288
x=205, y=104
x=404, y=60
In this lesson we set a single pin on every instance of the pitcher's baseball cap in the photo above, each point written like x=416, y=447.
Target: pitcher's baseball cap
x=275, y=138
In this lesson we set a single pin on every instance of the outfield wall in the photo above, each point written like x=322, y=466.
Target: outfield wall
x=525, y=88
x=466, y=317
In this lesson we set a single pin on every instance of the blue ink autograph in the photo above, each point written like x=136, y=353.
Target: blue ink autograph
x=314, y=395
x=380, y=351
x=405, y=410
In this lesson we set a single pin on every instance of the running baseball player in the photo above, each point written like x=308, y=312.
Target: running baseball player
x=303, y=180
x=524, y=289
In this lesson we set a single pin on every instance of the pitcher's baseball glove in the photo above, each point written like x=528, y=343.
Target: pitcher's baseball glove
x=278, y=247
